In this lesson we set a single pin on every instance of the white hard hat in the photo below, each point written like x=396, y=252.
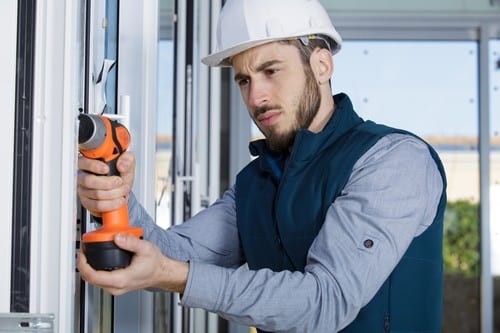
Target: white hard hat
x=244, y=24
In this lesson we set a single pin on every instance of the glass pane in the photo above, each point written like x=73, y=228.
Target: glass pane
x=111, y=52
x=430, y=88
x=164, y=134
x=495, y=175
x=164, y=123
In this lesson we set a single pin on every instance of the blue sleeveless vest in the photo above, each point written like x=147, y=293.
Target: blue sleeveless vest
x=279, y=214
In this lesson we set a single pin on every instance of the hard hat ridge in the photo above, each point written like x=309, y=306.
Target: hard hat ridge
x=244, y=24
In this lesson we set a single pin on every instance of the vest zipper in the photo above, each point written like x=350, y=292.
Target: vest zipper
x=276, y=199
x=387, y=324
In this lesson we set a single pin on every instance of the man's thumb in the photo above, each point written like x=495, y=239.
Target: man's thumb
x=126, y=162
x=127, y=242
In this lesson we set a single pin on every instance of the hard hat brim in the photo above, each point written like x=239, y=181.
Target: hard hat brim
x=223, y=58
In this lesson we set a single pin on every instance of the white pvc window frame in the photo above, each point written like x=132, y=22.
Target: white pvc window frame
x=8, y=40
x=54, y=162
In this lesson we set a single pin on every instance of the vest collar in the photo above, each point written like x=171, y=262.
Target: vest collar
x=308, y=144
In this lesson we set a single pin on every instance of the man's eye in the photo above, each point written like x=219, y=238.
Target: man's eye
x=271, y=71
x=242, y=82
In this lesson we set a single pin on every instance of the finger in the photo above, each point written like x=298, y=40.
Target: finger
x=90, y=194
x=93, y=166
x=131, y=243
x=102, y=200
x=101, y=193
x=126, y=163
x=84, y=268
x=96, y=207
x=92, y=181
x=114, y=282
x=126, y=167
x=105, y=189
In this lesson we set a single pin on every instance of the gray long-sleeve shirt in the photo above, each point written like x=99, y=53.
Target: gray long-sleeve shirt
x=391, y=197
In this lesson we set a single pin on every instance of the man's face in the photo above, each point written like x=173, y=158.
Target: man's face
x=281, y=94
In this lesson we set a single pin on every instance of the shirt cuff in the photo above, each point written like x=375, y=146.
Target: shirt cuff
x=204, y=285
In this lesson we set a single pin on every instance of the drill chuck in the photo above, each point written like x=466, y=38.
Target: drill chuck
x=91, y=132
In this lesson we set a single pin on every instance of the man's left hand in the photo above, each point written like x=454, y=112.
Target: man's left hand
x=149, y=269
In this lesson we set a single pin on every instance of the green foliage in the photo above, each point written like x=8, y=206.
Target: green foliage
x=461, y=238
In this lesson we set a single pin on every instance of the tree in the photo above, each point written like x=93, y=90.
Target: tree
x=461, y=238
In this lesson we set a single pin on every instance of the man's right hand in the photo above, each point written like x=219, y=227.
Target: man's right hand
x=99, y=193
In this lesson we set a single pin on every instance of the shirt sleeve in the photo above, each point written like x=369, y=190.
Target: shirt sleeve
x=211, y=236
x=390, y=198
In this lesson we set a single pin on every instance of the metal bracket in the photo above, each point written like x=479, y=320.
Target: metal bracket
x=26, y=322
x=100, y=86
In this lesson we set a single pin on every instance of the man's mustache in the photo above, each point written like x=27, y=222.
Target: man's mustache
x=264, y=109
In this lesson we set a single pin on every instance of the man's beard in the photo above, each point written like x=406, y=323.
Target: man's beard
x=307, y=108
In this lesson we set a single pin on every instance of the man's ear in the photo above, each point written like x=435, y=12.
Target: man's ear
x=322, y=65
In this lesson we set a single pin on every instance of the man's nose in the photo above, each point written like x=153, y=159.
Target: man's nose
x=258, y=95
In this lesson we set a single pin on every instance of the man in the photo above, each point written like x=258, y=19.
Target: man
x=339, y=220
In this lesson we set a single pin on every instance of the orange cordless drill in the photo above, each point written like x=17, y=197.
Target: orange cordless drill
x=104, y=139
